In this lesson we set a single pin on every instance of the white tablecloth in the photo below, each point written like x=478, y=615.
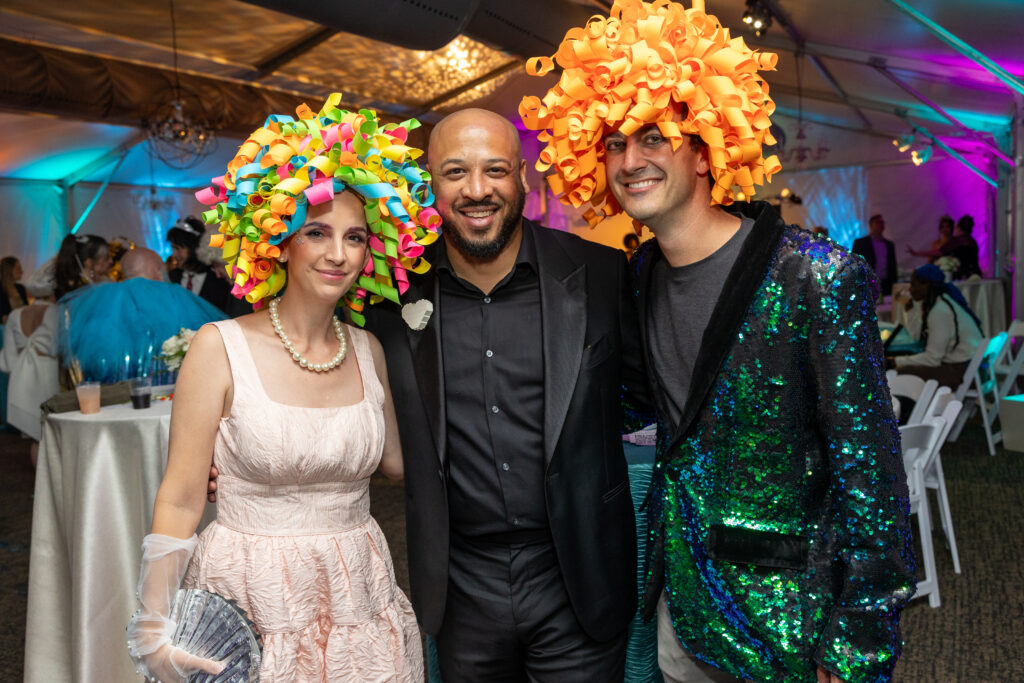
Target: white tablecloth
x=95, y=486
x=985, y=297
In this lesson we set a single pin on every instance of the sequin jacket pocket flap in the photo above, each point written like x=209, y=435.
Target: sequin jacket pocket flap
x=761, y=548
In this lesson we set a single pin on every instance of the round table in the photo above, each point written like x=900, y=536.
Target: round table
x=96, y=482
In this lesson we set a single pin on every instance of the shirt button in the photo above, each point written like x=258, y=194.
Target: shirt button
x=489, y=353
x=487, y=299
x=504, y=466
x=494, y=409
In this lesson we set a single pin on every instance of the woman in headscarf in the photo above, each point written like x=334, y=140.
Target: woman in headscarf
x=944, y=323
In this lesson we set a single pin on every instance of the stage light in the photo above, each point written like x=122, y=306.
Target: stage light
x=785, y=192
x=904, y=142
x=921, y=156
x=758, y=16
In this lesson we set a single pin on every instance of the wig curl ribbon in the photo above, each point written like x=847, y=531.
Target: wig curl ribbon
x=625, y=71
x=291, y=163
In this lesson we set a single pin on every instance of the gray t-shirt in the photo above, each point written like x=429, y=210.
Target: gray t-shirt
x=682, y=300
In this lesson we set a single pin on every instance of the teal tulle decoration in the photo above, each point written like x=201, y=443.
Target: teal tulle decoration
x=113, y=331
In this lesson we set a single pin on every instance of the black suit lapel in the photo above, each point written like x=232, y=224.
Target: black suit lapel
x=745, y=278
x=563, y=296
x=428, y=362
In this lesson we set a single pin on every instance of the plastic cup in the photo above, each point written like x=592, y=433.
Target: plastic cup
x=142, y=391
x=88, y=397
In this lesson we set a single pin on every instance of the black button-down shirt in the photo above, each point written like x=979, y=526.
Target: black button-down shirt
x=494, y=398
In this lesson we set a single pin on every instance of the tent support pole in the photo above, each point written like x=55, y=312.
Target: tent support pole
x=960, y=46
x=1016, y=205
x=99, y=193
x=884, y=70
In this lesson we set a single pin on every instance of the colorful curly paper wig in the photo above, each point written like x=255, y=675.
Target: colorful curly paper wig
x=635, y=68
x=289, y=164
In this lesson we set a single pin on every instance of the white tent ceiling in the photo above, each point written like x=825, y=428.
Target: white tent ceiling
x=242, y=59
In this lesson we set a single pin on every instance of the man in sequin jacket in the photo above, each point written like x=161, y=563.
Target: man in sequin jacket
x=779, y=547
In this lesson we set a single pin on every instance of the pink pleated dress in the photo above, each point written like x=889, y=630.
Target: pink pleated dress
x=294, y=543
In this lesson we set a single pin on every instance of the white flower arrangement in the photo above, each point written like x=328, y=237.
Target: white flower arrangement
x=948, y=265
x=174, y=348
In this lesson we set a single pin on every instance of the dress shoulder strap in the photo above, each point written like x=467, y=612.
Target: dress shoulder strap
x=243, y=367
x=361, y=344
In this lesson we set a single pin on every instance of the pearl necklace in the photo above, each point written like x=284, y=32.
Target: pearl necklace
x=275, y=320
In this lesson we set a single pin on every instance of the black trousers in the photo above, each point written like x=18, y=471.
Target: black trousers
x=508, y=619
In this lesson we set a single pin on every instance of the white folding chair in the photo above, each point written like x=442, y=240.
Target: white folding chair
x=979, y=390
x=1008, y=365
x=948, y=408
x=915, y=389
x=919, y=443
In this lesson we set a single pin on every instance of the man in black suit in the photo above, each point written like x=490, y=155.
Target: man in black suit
x=521, y=536
x=879, y=252
x=196, y=276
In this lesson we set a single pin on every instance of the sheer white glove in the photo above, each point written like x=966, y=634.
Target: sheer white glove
x=164, y=561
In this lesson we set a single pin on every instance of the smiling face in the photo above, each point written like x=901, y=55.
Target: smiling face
x=326, y=255
x=479, y=181
x=652, y=183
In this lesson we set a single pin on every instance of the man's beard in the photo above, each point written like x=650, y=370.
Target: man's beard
x=487, y=251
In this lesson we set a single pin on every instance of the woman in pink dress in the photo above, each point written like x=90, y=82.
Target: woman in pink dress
x=294, y=409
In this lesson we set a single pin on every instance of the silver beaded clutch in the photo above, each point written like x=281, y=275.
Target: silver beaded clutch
x=213, y=627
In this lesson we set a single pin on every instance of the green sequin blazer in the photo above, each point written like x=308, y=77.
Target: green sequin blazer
x=778, y=511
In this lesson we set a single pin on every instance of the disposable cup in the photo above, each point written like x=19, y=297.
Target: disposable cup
x=88, y=397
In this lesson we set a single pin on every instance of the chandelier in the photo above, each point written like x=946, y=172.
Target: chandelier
x=177, y=137
x=802, y=151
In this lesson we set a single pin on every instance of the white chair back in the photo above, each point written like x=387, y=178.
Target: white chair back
x=916, y=389
x=920, y=443
x=942, y=397
x=1007, y=364
x=979, y=390
x=935, y=479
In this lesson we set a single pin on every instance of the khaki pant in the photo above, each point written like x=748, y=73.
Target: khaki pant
x=677, y=665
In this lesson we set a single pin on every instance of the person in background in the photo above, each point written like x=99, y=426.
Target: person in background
x=943, y=322
x=964, y=248
x=935, y=251
x=12, y=294
x=779, y=545
x=82, y=260
x=113, y=330
x=630, y=242
x=144, y=263
x=879, y=252
x=945, y=235
x=193, y=274
x=211, y=256
x=29, y=354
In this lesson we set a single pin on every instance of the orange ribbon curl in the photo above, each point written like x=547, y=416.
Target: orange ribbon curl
x=635, y=68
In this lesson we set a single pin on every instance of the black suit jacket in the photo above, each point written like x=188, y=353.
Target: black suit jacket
x=217, y=292
x=862, y=247
x=590, y=511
